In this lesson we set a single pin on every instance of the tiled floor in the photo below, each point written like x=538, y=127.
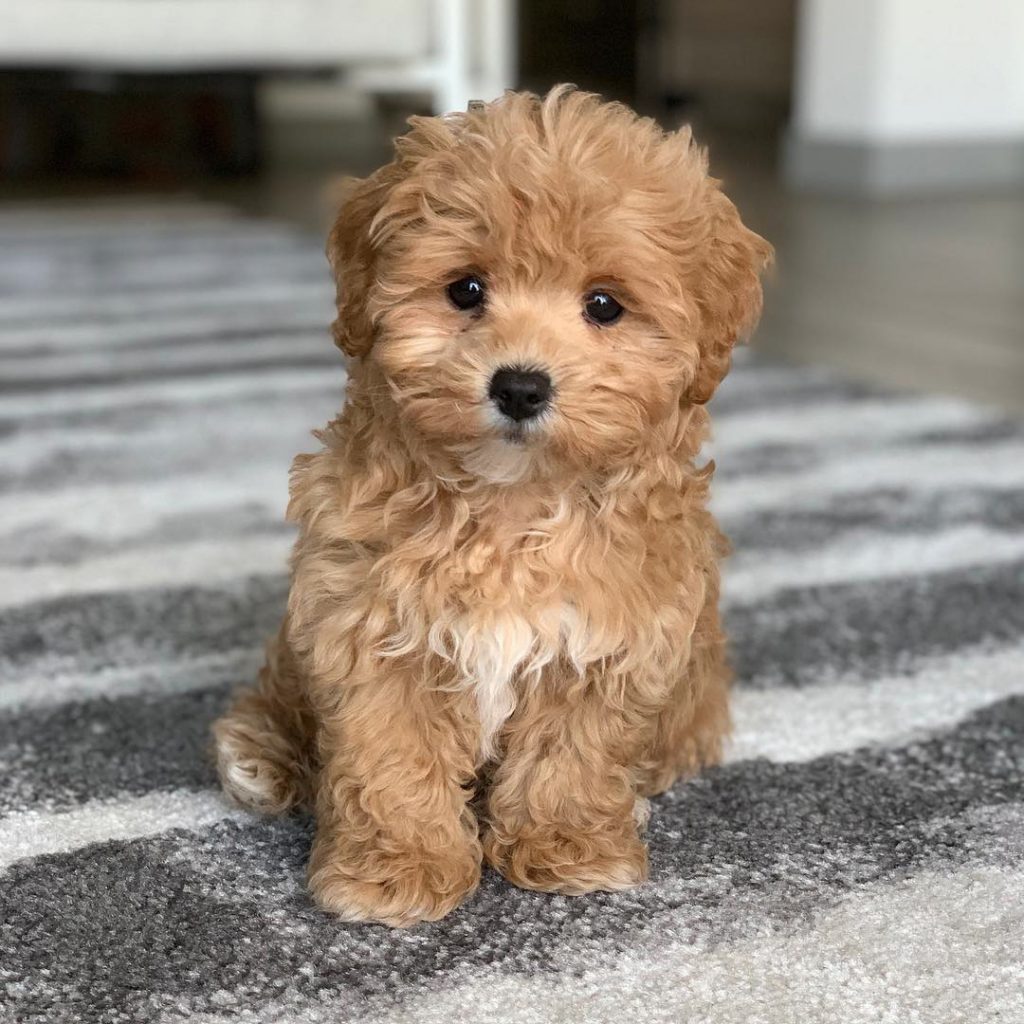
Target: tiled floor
x=923, y=293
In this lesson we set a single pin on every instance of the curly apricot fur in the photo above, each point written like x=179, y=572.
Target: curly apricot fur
x=529, y=614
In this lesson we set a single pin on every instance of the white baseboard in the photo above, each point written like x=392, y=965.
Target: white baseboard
x=862, y=168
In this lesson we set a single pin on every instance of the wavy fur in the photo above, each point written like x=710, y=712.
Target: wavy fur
x=495, y=646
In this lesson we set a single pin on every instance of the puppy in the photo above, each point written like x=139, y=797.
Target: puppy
x=503, y=632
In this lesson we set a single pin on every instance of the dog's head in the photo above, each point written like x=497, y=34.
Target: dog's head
x=541, y=282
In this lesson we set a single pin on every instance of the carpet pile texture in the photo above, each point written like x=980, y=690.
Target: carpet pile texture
x=859, y=857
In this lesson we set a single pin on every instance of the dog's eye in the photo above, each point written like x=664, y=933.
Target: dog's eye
x=601, y=308
x=467, y=292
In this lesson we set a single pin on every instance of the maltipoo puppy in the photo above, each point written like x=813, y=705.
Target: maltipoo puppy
x=503, y=630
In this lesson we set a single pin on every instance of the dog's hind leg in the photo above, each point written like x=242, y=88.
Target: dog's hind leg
x=265, y=742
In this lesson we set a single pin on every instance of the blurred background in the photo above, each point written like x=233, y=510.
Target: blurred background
x=879, y=144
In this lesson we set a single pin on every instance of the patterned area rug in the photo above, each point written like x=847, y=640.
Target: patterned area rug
x=859, y=856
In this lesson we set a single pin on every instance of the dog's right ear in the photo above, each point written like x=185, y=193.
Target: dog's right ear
x=727, y=290
x=351, y=253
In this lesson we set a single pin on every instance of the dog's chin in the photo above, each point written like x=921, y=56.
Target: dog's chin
x=509, y=456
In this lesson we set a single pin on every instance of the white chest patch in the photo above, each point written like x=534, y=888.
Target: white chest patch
x=492, y=652
x=489, y=655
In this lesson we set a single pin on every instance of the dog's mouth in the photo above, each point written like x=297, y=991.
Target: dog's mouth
x=520, y=433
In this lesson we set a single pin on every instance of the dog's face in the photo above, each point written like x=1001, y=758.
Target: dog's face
x=543, y=282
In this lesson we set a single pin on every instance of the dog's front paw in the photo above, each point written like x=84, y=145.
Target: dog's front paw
x=395, y=888
x=564, y=861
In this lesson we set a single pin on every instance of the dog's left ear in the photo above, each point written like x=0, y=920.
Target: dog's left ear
x=351, y=253
x=727, y=290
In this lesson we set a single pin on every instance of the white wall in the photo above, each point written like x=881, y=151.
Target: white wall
x=910, y=70
x=837, y=68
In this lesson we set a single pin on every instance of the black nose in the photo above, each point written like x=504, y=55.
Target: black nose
x=520, y=394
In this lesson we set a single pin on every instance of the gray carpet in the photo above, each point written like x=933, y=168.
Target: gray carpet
x=859, y=857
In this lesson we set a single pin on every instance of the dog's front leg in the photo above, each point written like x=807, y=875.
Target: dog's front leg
x=561, y=809
x=396, y=841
